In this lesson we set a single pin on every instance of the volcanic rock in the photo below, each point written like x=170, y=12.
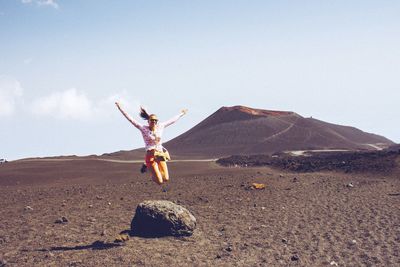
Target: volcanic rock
x=28, y=208
x=62, y=220
x=121, y=238
x=295, y=258
x=162, y=218
x=258, y=186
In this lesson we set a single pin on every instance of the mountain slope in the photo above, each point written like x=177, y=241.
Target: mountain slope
x=243, y=130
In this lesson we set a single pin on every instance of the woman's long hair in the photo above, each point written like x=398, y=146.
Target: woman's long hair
x=144, y=114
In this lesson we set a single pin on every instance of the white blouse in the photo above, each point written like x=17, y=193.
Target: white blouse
x=153, y=140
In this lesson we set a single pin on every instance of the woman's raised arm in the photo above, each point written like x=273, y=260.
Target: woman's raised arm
x=174, y=119
x=129, y=118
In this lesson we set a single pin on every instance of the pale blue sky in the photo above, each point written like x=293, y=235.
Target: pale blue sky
x=64, y=63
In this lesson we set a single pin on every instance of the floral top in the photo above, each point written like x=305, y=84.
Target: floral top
x=153, y=140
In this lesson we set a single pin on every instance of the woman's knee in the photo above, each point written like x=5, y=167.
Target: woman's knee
x=157, y=177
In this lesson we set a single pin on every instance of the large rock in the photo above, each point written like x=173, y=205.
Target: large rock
x=154, y=218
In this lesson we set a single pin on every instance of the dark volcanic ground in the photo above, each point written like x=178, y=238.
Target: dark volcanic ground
x=382, y=162
x=300, y=219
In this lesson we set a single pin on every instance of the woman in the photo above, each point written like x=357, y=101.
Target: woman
x=156, y=155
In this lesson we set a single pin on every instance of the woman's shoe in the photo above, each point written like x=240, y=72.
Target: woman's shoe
x=144, y=168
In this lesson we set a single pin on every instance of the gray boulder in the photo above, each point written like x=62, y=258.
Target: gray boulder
x=156, y=218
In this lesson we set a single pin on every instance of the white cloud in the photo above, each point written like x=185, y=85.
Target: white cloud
x=69, y=104
x=105, y=108
x=51, y=3
x=122, y=97
x=10, y=93
x=74, y=104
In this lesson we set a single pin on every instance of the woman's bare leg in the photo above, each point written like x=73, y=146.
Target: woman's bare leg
x=155, y=171
x=164, y=170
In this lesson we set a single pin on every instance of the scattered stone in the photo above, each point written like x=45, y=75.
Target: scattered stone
x=263, y=208
x=103, y=233
x=49, y=255
x=109, y=203
x=99, y=197
x=350, y=185
x=75, y=263
x=334, y=263
x=28, y=208
x=258, y=186
x=295, y=258
x=354, y=241
x=121, y=238
x=90, y=206
x=62, y=220
x=284, y=240
x=203, y=199
x=295, y=180
x=281, y=175
x=92, y=220
x=229, y=249
x=162, y=218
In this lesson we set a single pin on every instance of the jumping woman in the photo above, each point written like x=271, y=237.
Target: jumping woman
x=156, y=154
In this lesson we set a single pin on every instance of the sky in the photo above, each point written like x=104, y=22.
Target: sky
x=63, y=64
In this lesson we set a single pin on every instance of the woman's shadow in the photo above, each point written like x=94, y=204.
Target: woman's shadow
x=96, y=245
x=102, y=245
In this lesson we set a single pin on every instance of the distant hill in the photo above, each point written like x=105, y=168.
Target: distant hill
x=244, y=130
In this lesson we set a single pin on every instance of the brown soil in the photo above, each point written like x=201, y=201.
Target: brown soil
x=300, y=219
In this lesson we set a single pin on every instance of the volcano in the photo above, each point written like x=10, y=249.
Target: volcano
x=245, y=131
